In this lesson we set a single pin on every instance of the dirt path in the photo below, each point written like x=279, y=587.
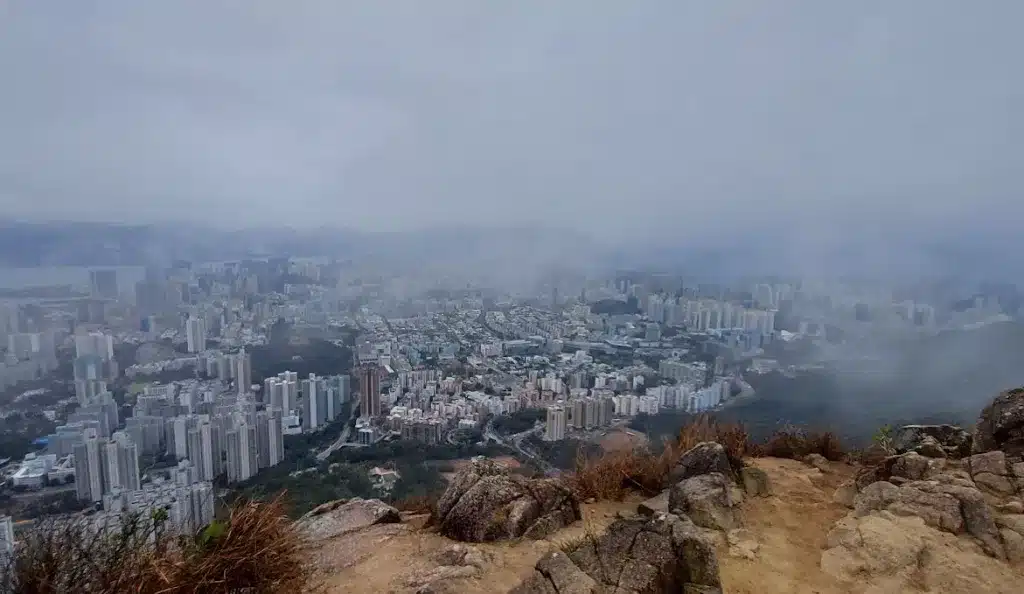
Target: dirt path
x=790, y=526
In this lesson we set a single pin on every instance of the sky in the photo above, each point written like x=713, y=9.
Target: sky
x=674, y=118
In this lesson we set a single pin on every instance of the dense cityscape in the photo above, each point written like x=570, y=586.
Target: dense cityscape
x=163, y=407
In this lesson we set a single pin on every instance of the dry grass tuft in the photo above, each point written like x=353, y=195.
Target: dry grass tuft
x=795, y=443
x=613, y=475
x=256, y=549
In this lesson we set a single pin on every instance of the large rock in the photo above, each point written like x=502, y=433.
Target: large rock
x=990, y=463
x=883, y=552
x=702, y=458
x=484, y=503
x=943, y=502
x=1001, y=425
x=707, y=499
x=654, y=505
x=338, y=517
x=933, y=441
x=666, y=553
x=755, y=481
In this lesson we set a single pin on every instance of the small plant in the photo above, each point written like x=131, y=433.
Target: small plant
x=884, y=440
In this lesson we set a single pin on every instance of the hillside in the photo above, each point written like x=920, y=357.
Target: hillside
x=927, y=508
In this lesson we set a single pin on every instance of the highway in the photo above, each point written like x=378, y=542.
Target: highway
x=346, y=432
x=515, y=442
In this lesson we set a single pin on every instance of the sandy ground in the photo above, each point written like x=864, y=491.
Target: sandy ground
x=790, y=526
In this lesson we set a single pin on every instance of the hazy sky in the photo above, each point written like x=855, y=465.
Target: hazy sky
x=678, y=116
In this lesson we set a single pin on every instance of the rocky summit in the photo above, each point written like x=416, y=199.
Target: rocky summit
x=942, y=512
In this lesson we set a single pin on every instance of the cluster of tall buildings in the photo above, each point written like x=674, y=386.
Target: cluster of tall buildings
x=195, y=334
x=579, y=413
x=230, y=367
x=315, y=400
x=94, y=365
x=105, y=465
x=709, y=314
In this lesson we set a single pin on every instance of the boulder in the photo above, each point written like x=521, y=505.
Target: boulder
x=1001, y=425
x=845, y=494
x=755, y=481
x=941, y=503
x=990, y=462
x=912, y=466
x=702, y=458
x=933, y=441
x=706, y=499
x=1014, y=545
x=818, y=461
x=665, y=553
x=484, y=503
x=654, y=505
x=338, y=517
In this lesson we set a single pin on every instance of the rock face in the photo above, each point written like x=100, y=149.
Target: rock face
x=338, y=517
x=702, y=458
x=665, y=553
x=707, y=499
x=1001, y=425
x=886, y=552
x=947, y=502
x=484, y=503
x=933, y=441
x=755, y=482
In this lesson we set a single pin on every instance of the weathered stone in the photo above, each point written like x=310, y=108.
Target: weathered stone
x=755, y=481
x=563, y=574
x=993, y=483
x=930, y=447
x=665, y=553
x=338, y=517
x=1001, y=425
x=989, y=462
x=703, y=458
x=877, y=495
x=742, y=544
x=977, y=516
x=706, y=499
x=1013, y=506
x=654, y=505
x=1013, y=543
x=1017, y=470
x=911, y=466
x=818, y=461
x=484, y=503
x=933, y=441
x=1013, y=522
x=845, y=494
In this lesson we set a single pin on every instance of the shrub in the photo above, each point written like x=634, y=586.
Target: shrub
x=795, y=443
x=256, y=548
x=612, y=475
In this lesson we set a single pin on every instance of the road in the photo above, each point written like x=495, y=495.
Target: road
x=515, y=442
x=343, y=438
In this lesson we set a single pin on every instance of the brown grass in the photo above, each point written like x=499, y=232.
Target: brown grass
x=255, y=549
x=612, y=475
x=417, y=504
x=795, y=443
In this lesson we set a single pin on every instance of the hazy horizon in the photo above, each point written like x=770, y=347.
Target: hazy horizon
x=690, y=121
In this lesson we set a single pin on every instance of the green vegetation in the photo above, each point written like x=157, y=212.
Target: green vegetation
x=562, y=454
x=309, y=483
x=19, y=430
x=518, y=422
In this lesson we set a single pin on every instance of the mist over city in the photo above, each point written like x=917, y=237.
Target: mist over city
x=340, y=248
